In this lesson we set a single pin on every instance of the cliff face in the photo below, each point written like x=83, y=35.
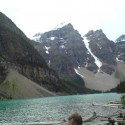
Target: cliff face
x=17, y=53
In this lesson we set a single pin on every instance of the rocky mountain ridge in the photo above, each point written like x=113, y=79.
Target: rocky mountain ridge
x=120, y=49
x=93, y=56
x=18, y=56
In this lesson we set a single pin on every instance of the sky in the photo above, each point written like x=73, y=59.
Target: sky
x=33, y=16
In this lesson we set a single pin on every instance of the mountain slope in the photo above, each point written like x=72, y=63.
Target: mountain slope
x=17, y=86
x=17, y=53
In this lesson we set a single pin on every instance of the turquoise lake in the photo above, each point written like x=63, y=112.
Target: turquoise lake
x=52, y=109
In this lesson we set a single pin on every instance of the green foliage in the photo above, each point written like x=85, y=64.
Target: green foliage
x=121, y=87
x=67, y=87
x=123, y=99
x=2, y=73
x=113, y=90
x=121, y=122
x=3, y=87
x=76, y=86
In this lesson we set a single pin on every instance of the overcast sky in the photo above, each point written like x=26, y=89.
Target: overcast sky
x=33, y=16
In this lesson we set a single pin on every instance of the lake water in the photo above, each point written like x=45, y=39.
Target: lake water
x=53, y=109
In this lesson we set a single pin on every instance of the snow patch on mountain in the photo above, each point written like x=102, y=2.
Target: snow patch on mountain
x=49, y=63
x=97, y=61
x=36, y=37
x=62, y=46
x=78, y=67
x=52, y=38
x=117, y=59
x=122, y=40
x=77, y=72
x=47, y=49
x=118, y=41
x=61, y=25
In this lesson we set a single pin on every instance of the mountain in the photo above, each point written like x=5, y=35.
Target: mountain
x=120, y=39
x=120, y=49
x=93, y=56
x=23, y=71
x=103, y=49
x=63, y=50
x=120, y=57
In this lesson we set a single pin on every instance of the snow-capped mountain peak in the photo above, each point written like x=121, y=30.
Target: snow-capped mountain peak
x=36, y=37
x=120, y=39
x=61, y=25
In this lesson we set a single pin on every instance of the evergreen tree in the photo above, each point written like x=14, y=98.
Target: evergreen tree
x=121, y=87
x=123, y=99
